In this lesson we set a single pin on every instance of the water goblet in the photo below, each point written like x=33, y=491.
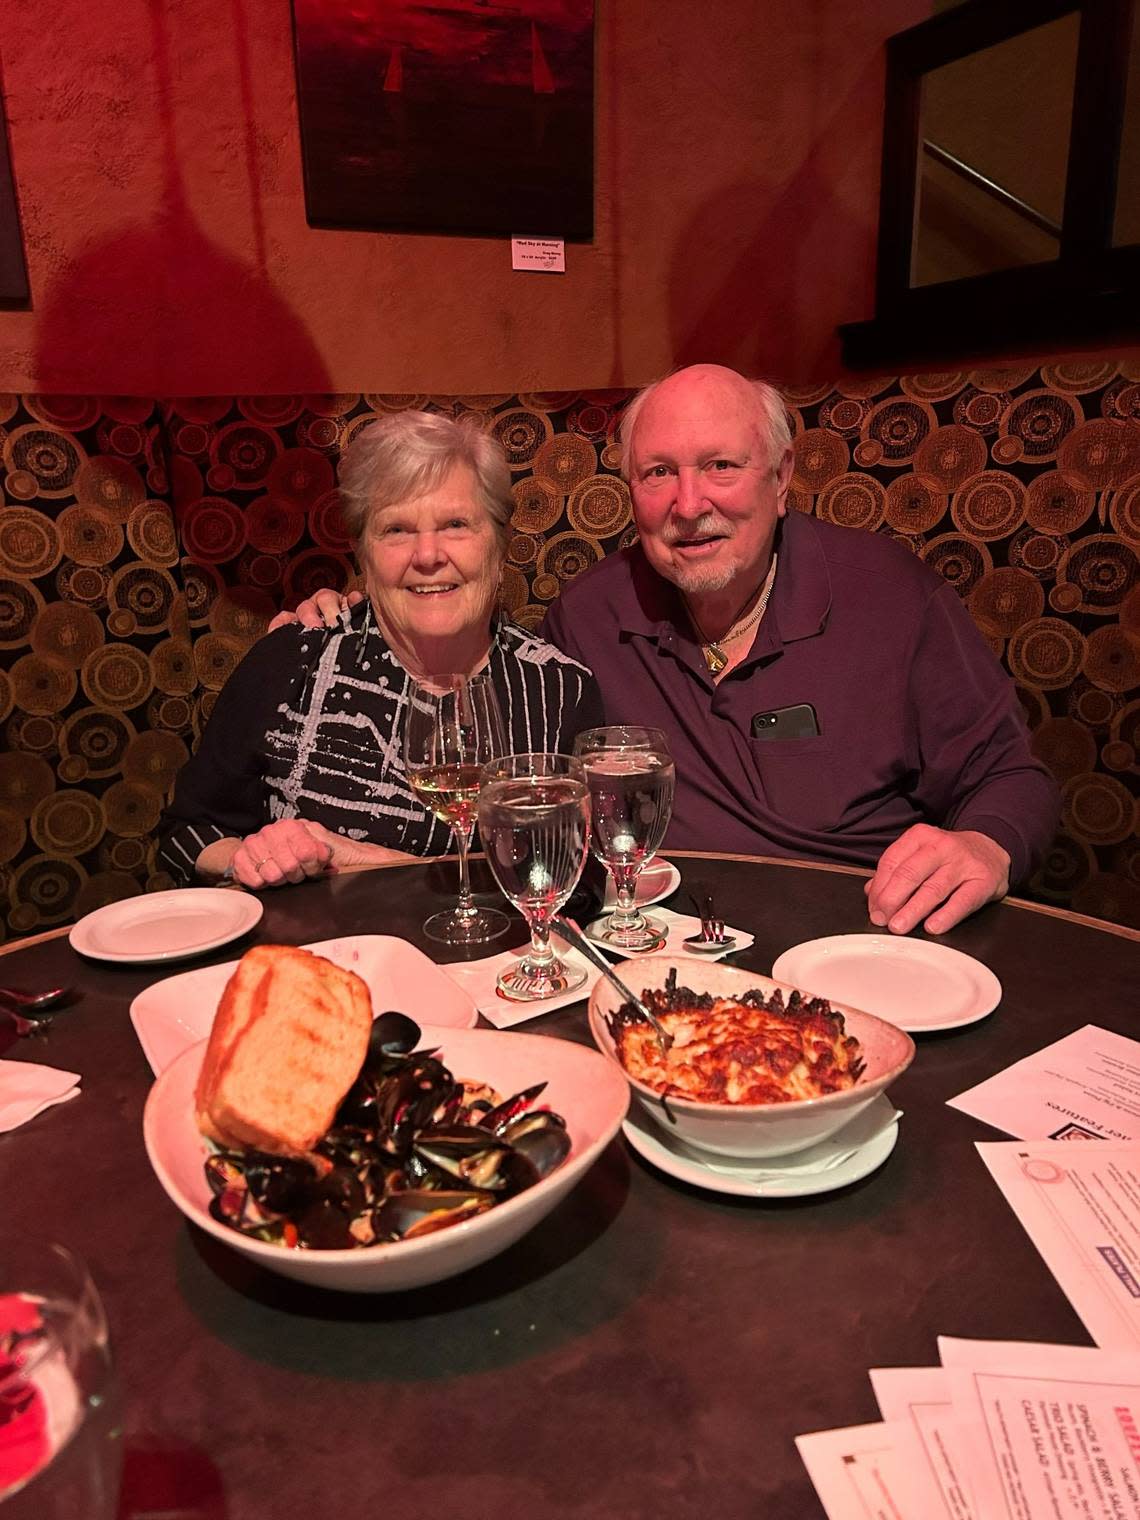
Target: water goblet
x=631, y=776
x=452, y=727
x=60, y=1430
x=534, y=823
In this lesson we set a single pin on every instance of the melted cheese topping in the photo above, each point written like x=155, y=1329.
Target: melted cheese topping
x=733, y=1052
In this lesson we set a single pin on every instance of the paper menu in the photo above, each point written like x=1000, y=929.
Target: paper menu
x=1084, y=1087
x=920, y=1396
x=1080, y=1206
x=1051, y=1431
x=869, y=1472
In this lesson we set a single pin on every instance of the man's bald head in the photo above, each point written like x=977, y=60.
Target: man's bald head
x=707, y=382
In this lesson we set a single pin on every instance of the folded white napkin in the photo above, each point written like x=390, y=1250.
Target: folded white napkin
x=679, y=927
x=477, y=978
x=26, y=1090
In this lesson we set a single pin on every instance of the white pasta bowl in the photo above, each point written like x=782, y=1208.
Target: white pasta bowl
x=589, y=1093
x=750, y=1130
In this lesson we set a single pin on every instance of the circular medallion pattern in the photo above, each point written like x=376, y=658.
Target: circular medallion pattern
x=898, y=427
x=1065, y=746
x=29, y=543
x=1046, y=653
x=1004, y=600
x=819, y=457
x=521, y=435
x=538, y=505
x=566, y=555
x=1101, y=454
x=52, y=459
x=42, y=686
x=913, y=506
x=958, y=561
x=70, y=822
x=112, y=485
x=1112, y=659
x=853, y=501
x=1105, y=570
x=66, y=633
x=599, y=507
x=990, y=506
x=1097, y=808
x=564, y=461
x=117, y=675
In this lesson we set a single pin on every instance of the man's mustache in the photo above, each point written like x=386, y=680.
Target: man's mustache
x=708, y=526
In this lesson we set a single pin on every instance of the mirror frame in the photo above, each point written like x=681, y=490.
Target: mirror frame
x=1091, y=291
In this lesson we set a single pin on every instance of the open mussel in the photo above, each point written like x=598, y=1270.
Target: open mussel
x=541, y=1138
x=422, y=1211
x=476, y=1158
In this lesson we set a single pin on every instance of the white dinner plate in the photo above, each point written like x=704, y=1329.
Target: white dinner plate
x=171, y=1015
x=166, y=926
x=863, y=1144
x=913, y=983
x=659, y=880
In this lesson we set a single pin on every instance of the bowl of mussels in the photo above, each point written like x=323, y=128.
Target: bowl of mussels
x=448, y=1146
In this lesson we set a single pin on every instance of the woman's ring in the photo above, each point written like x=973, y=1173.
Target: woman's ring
x=257, y=865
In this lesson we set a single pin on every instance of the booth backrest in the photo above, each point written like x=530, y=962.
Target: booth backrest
x=143, y=545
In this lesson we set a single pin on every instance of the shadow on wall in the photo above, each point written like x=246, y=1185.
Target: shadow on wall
x=757, y=313
x=169, y=278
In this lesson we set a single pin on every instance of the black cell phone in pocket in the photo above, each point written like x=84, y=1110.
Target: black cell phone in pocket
x=798, y=722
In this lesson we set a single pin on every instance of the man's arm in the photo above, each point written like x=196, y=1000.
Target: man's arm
x=993, y=806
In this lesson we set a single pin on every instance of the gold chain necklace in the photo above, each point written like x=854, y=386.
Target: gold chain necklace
x=713, y=649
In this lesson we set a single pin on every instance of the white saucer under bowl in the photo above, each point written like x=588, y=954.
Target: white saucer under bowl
x=871, y=1137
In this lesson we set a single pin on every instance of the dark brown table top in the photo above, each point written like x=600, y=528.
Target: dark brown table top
x=649, y=1350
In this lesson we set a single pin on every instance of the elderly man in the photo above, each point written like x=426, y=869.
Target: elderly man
x=825, y=694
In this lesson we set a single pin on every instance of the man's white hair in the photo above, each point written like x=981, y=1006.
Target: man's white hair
x=773, y=423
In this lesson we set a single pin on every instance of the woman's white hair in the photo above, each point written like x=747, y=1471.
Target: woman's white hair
x=402, y=456
x=772, y=419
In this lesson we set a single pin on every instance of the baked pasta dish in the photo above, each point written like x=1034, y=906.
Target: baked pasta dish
x=752, y=1049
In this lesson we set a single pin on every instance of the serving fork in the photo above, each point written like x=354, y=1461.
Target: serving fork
x=574, y=936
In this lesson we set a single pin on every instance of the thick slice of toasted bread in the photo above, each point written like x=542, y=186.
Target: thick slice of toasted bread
x=289, y=1039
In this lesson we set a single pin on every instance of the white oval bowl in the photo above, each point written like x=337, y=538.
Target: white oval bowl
x=590, y=1093
x=751, y=1129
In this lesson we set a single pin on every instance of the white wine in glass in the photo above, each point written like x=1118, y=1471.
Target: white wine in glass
x=452, y=728
x=534, y=823
x=631, y=777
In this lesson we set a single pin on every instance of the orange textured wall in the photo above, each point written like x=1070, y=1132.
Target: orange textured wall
x=155, y=148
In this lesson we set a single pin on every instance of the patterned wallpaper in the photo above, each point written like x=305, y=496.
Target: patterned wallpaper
x=143, y=546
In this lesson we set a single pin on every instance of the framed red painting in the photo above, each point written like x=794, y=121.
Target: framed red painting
x=473, y=117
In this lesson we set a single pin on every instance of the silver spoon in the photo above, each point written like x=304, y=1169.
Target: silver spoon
x=22, y=1025
x=574, y=936
x=33, y=1000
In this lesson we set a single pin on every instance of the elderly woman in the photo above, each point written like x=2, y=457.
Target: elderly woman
x=300, y=768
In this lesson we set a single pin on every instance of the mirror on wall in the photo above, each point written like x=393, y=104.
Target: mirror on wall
x=1010, y=201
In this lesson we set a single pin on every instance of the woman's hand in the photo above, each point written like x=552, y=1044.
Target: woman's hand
x=287, y=851
x=356, y=854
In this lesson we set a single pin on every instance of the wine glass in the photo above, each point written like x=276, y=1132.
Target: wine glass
x=631, y=776
x=534, y=822
x=452, y=727
x=60, y=1431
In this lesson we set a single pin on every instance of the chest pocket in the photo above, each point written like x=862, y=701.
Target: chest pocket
x=802, y=781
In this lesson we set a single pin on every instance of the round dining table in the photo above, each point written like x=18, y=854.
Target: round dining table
x=648, y=1352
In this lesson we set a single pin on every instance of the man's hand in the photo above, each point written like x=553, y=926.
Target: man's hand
x=321, y=610
x=939, y=872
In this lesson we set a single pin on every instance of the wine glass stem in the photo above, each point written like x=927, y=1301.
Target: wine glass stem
x=540, y=953
x=462, y=844
x=626, y=915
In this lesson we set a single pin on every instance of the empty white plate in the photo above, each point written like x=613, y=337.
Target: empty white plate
x=913, y=983
x=177, y=1012
x=166, y=926
x=659, y=880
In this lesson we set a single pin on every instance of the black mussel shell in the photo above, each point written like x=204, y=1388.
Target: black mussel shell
x=393, y=1034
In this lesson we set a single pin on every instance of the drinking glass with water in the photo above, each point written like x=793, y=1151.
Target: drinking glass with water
x=630, y=775
x=534, y=823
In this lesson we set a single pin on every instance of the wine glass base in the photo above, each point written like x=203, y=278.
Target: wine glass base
x=455, y=928
x=650, y=934
x=520, y=985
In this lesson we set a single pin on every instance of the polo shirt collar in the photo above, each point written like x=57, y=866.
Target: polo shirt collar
x=801, y=595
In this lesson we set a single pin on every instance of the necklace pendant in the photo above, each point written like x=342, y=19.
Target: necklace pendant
x=715, y=658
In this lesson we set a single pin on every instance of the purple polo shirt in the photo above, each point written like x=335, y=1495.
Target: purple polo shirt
x=917, y=720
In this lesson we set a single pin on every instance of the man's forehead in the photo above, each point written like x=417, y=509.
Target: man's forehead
x=672, y=427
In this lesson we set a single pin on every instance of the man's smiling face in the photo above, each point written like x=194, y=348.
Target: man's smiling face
x=706, y=496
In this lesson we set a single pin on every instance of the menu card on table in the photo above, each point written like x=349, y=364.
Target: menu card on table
x=1084, y=1087
x=1080, y=1206
x=1001, y=1431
